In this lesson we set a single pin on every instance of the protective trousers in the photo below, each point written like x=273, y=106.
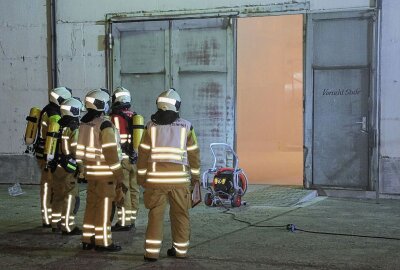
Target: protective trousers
x=135, y=192
x=45, y=192
x=96, y=222
x=57, y=201
x=70, y=199
x=156, y=199
x=127, y=212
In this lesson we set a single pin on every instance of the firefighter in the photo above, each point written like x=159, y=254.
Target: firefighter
x=99, y=152
x=168, y=166
x=49, y=117
x=65, y=169
x=123, y=117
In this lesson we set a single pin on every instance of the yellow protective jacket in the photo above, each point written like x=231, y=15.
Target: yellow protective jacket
x=169, y=155
x=67, y=150
x=99, y=151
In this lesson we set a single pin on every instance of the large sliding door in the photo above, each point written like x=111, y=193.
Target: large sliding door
x=193, y=56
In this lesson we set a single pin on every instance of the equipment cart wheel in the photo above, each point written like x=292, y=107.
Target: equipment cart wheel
x=236, y=200
x=208, y=200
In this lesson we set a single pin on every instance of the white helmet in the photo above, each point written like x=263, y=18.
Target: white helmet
x=169, y=101
x=121, y=96
x=59, y=94
x=71, y=107
x=97, y=99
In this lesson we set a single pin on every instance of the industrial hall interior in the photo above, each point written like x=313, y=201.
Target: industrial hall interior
x=184, y=134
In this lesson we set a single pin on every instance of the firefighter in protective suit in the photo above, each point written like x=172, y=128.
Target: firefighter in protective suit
x=122, y=117
x=99, y=152
x=64, y=167
x=168, y=166
x=48, y=120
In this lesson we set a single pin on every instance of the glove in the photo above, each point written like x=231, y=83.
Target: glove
x=82, y=180
x=81, y=177
x=52, y=165
x=68, y=163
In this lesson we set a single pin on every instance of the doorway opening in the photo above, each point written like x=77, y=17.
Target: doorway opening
x=269, y=127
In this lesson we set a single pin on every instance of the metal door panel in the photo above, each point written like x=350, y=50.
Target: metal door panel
x=338, y=112
x=143, y=51
x=340, y=136
x=204, y=105
x=341, y=42
x=144, y=62
x=202, y=49
x=144, y=90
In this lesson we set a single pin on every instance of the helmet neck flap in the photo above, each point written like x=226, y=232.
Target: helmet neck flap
x=164, y=117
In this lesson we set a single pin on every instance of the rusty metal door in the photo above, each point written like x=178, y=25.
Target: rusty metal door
x=202, y=53
x=195, y=56
x=339, y=79
x=141, y=61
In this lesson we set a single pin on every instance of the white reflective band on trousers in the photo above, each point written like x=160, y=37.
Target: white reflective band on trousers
x=149, y=241
x=46, y=211
x=193, y=147
x=115, y=166
x=195, y=171
x=106, y=230
x=181, y=248
x=122, y=216
x=153, y=250
x=153, y=246
x=180, y=251
x=185, y=244
x=142, y=172
x=68, y=214
x=145, y=146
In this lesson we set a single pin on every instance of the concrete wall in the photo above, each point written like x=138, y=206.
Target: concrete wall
x=23, y=81
x=390, y=97
x=80, y=51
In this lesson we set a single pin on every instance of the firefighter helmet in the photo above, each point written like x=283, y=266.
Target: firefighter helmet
x=121, y=97
x=169, y=101
x=59, y=94
x=98, y=99
x=71, y=107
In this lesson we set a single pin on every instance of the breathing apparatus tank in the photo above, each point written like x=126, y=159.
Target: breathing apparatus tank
x=32, y=125
x=138, y=127
x=52, y=137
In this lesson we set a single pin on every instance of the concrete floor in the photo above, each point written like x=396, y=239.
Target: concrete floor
x=218, y=241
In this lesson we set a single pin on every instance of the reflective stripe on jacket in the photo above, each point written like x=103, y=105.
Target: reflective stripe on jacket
x=99, y=150
x=168, y=142
x=168, y=155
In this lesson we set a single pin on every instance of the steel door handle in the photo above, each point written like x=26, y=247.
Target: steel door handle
x=363, y=123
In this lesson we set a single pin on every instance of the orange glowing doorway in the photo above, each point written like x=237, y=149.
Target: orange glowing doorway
x=270, y=99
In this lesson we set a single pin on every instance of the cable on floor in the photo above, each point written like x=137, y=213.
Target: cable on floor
x=293, y=228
